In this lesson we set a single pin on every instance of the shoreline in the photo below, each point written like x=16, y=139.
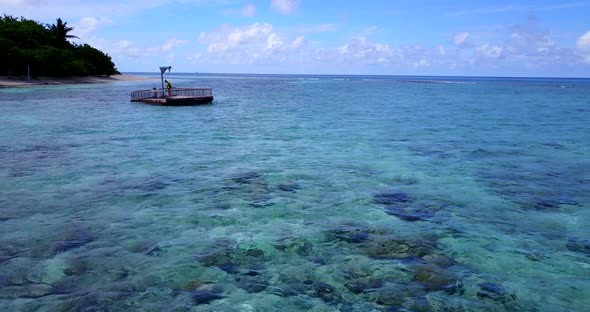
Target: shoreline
x=6, y=82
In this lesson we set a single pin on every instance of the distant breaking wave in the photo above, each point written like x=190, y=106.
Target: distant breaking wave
x=439, y=81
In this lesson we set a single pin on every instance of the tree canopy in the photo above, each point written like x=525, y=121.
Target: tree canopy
x=47, y=51
x=61, y=32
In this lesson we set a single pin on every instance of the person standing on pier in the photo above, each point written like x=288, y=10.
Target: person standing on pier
x=168, y=87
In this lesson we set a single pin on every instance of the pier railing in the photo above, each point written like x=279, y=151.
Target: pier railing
x=188, y=92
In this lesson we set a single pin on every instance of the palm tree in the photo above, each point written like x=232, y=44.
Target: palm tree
x=61, y=31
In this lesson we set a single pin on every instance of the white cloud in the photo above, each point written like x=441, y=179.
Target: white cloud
x=489, y=51
x=528, y=39
x=194, y=57
x=129, y=49
x=583, y=47
x=530, y=45
x=88, y=25
x=261, y=44
x=249, y=10
x=144, y=56
x=273, y=42
x=226, y=39
x=583, y=42
x=460, y=39
x=368, y=31
x=172, y=43
x=126, y=48
x=248, y=45
x=361, y=51
x=250, y=34
x=22, y=2
x=124, y=44
x=285, y=7
x=526, y=46
x=298, y=42
x=422, y=63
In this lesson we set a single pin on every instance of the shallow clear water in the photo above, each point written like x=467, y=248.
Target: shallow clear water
x=298, y=193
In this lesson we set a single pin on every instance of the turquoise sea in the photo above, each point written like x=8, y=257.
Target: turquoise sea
x=298, y=193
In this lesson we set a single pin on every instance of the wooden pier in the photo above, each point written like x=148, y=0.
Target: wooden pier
x=174, y=97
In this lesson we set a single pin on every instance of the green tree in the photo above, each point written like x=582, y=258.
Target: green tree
x=101, y=64
x=61, y=31
x=46, y=49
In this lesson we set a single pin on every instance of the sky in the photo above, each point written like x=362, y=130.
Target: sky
x=539, y=38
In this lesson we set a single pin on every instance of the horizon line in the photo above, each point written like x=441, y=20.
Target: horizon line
x=375, y=75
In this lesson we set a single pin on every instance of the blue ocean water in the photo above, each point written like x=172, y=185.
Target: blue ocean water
x=298, y=193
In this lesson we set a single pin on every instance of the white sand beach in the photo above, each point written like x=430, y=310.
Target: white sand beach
x=18, y=82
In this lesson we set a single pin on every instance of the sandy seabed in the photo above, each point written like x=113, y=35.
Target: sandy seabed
x=17, y=82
